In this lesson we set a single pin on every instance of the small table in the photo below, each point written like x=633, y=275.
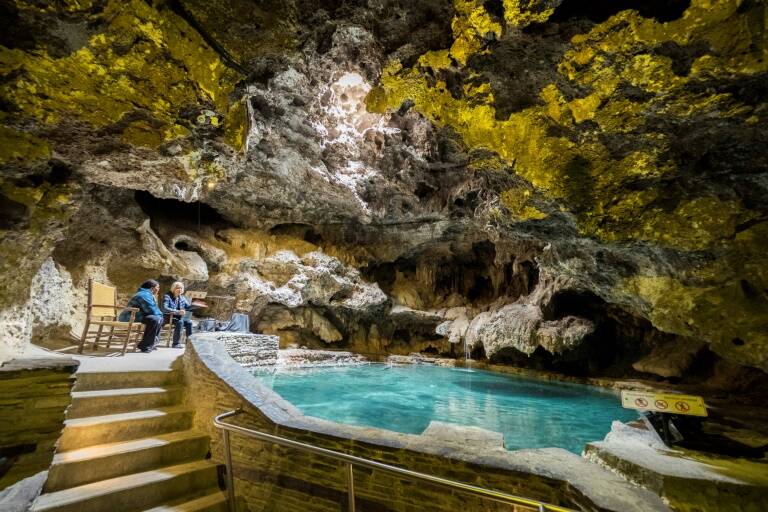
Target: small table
x=191, y=294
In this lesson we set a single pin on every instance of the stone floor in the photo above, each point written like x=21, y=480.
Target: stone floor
x=160, y=359
x=106, y=360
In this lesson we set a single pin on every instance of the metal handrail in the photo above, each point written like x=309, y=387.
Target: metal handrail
x=352, y=461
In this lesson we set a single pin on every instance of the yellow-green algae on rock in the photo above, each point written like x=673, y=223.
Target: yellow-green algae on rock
x=20, y=146
x=517, y=201
x=720, y=300
x=521, y=13
x=138, y=73
x=143, y=59
x=248, y=30
x=591, y=183
x=471, y=24
x=584, y=174
x=236, y=131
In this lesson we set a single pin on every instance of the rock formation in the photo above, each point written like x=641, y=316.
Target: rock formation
x=541, y=181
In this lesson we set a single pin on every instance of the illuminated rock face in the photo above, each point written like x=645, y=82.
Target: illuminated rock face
x=447, y=149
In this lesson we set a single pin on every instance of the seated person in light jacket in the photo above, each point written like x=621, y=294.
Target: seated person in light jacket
x=174, y=301
x=149, y=314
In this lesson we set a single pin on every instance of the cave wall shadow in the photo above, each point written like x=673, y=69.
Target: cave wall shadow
x=619, y=339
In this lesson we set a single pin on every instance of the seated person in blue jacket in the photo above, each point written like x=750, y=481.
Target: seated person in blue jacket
x=149, y=314
x=174, y=301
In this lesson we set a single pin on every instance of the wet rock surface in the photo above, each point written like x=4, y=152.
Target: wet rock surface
x=250, y=349
x=305, y=358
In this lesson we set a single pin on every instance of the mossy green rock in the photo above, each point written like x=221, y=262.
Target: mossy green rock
x=606, y=140
x=136, y=72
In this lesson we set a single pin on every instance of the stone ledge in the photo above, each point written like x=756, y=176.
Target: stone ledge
x=450, y=434
x=17, y=367
x=420, y=359
x=35, y=395
x=686, y=479
x=578, y=481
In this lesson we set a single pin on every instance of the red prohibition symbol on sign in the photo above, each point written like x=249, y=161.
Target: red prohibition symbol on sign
x=641, y=402
x=661, y=404
x=682, y=406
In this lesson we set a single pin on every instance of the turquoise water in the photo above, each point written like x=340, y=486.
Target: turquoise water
x=530, y=414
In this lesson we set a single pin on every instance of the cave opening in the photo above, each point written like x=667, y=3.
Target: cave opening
x=183, y=245
x=618, y=339
x=385, y=273
x=179, y=212
x=475, y=275
x=495, y=8
x=403, y=335
x=574, y=302
x=424, y=190
x=58, y=172
x=523, y=282
x=479, y=288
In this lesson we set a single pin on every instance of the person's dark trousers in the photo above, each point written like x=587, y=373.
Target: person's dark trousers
x=178, y=325
x=152, y=326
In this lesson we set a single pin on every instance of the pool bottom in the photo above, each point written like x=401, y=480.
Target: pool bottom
x=406, y=399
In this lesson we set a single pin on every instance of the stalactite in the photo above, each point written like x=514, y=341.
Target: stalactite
x=498, y=276
x=426, y=273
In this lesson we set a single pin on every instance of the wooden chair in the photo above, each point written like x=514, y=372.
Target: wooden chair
x=167, y=329
x=103, y=312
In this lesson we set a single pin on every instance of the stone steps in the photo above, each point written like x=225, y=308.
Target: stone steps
x=127, y=446
x=86, y=465
x=92, y=381
x=84, y=432
x=92, y=403
x=135, y=491
x=216, y=502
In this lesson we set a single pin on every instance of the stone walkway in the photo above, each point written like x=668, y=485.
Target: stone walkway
x=161, y=359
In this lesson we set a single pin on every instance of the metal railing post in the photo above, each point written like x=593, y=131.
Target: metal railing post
x=351, y=486
x=351, y=461
x=230, y=474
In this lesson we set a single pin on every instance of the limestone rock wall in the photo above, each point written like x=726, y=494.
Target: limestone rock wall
x=602, y=118
x=50, y=311
x=35, y=394
x=442, y=154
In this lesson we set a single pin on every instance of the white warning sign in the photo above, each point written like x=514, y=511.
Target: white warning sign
x=664, y=402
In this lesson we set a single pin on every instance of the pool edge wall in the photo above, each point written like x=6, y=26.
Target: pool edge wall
x=273, y=478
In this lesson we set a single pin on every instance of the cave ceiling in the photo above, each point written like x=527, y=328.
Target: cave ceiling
x=624, y=143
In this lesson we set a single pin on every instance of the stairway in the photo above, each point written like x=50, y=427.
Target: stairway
x=127, y=445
